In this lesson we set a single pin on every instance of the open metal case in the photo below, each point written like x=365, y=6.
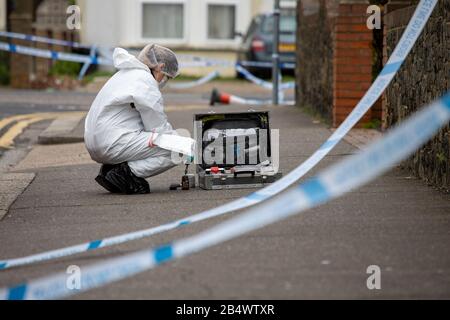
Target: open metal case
x=234, y=150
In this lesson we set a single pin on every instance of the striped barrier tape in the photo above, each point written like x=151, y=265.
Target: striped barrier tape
x=329, y=184
x=54, y=55
x=226, y=64
x=260, y=82
x=73, y=57
x=86, y=65
x=194, y=61
x=189, y=59
x=409, y=37
x=57, y=55
x=249, y=76
x=206, y=64
x=191, y=84
x=33, y=38
x=93, y=59
x=283, y=65
x=209, y=62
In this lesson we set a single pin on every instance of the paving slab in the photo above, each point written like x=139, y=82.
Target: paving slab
x=11, y=186
x=69, y=129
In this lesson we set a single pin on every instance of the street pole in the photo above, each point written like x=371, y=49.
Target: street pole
x=275, y=55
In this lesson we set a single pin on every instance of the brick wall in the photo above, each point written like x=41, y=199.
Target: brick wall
x=20, y=65
x=352, y=60
x=44, y=18
x=335, y=57
x=315, y=56
x=423, y=77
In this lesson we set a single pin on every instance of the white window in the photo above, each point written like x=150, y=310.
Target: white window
x=163, y=20
x=221, y=21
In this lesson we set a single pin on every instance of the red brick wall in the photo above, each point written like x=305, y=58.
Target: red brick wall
x=352, y=61
x=21, y=65
x=336, y=59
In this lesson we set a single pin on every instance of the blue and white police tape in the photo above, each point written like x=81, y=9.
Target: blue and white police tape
x=191, y=61
x=196, y=61
x=260, y=82
x=55, y=55
x=203, y=62
x=331, y=183
x=206, y=63
x=245, y=73
x=191, y=84
x=92, y=59
x=33, y=38
x=258, y=64
x=410, y=35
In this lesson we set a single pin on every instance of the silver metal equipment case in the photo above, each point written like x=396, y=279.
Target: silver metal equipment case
x=234, y=150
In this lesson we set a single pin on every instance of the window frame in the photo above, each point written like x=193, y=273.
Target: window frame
x=215, y=41
x=170, y=41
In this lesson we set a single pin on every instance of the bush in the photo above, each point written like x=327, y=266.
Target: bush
x=65, y=68
x=4, y=68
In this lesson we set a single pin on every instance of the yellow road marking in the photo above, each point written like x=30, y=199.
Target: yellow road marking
x=4, y=122
x=7, y=121
x=23, y=121
x=6, y=141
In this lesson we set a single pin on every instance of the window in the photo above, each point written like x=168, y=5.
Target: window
x=221, y=21
x=288, y=24
x=162, y=20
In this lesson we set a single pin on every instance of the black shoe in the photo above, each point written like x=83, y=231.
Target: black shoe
x=101, y=178
x=123, y=179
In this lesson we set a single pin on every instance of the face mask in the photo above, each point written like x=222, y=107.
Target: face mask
x=163, y=82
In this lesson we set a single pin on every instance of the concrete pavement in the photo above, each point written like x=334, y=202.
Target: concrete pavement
x=395, y=222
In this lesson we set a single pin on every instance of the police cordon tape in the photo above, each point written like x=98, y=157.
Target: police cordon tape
x=198, y=82
x=54, y=55
x=409, y=37
x=214, y=74
x=195, y=61
x=248, y=76
x=57, y=55
x=259, y=64
x=33, y=38
x=260, y=82
x=92, y=59
x=210, y=62
x=88, y=60
x=329, y=184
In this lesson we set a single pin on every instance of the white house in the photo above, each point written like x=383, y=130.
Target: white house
x=189, y=24
x=2, y=15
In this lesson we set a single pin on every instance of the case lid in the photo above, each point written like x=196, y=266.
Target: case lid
x=230, y=139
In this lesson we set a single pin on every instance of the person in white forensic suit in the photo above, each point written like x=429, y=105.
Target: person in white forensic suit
x=126, y=129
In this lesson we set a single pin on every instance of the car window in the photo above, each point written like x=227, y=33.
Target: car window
x=288, y=24
x=252, y=27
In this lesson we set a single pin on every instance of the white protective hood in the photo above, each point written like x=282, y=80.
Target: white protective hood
x=123, y=60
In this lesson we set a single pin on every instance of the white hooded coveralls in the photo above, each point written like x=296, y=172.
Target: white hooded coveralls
x=124, y=118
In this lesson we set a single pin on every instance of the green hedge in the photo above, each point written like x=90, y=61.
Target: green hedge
x=4, y=68
x=60, y=68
